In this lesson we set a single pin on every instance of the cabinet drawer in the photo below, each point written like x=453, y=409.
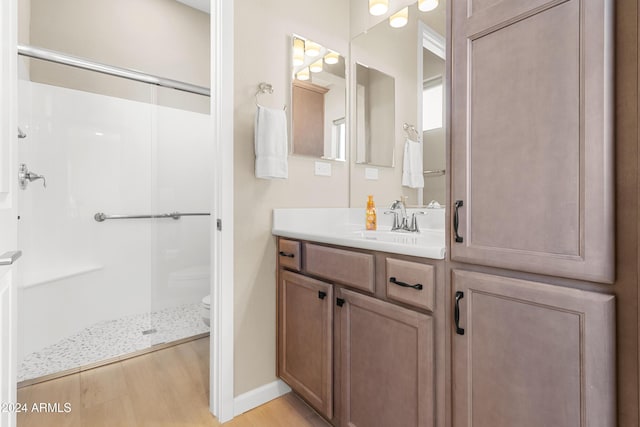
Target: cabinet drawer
x=347, y=267
x=289, y=254
x=411, y=283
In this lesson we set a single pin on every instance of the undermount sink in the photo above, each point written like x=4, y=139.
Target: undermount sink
x=427, y=237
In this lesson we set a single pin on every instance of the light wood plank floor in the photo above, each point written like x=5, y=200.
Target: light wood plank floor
x=169, y=387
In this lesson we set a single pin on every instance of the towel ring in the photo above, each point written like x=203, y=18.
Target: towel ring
x=265, y=88
x=409, y=129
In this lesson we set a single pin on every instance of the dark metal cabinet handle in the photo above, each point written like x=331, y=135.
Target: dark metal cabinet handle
x=339, y=302
x=321, y=294
x=287, y=254
x=456, y=313
x=405, y=285
x=456, y=220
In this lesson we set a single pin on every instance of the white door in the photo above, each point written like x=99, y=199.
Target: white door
x=8, y=211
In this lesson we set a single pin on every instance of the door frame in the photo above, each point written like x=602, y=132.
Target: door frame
x=222, y=336
x=222, y=259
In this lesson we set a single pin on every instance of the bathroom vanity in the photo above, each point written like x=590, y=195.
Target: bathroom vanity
x=361, y=332
x=365, y=323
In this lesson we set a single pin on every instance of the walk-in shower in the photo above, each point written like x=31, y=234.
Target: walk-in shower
x=117, y=246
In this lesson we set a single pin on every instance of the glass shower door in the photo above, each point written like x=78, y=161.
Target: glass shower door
x=105, y=272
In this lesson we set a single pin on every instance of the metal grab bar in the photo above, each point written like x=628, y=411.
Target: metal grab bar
x=432, y=173
x=101, y=216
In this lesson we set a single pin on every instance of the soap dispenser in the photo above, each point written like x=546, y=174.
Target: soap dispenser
x=371, y=220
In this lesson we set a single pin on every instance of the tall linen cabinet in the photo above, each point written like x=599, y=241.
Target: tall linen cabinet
x=532, y=213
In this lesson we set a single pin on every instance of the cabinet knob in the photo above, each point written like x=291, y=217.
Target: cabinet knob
x=322, y=295
x=339, y=302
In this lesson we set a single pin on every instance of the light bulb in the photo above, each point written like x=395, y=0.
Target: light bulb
x=400, y=18
x=427, y=5
x=303, y=74
x=316, y=67
x=331, y=58
x=298, y=51
x=378, y=7
x=312, y=49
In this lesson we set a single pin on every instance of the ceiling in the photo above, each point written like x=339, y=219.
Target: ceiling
x=203, y=5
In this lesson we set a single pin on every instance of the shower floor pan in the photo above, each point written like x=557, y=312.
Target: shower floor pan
x=112, y=340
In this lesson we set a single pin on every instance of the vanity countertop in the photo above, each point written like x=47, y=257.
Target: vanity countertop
x=345, y=227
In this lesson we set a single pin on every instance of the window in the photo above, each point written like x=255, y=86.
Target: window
x=432, y=98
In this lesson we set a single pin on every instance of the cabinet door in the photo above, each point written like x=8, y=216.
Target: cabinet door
x=305, y=339
x=386, y=363
x=531, y=354
x=532, y=136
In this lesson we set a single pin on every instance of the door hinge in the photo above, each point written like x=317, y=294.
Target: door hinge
x=219, y=224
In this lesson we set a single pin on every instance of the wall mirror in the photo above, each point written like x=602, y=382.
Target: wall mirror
x=318, y=100
x=407, y=44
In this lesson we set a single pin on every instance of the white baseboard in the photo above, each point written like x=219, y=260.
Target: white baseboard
x=259, y=396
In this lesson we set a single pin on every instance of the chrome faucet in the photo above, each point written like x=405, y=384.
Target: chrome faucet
x=403, y=224
x=399, y=223
x=25, y=175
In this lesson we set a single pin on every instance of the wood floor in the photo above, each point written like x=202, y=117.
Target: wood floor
x=169, y=387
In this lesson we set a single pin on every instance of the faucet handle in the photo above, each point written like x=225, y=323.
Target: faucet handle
x=414, y=221
x=396, y=221
x=25, y=175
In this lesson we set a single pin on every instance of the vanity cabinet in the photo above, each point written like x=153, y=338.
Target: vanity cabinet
x=305, y=344
x=358, y=347
x=531, y=136
x=386, y=363
x=529, y=354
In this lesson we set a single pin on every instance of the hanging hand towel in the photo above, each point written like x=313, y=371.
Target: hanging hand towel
x=412, y=173
x=271, y=143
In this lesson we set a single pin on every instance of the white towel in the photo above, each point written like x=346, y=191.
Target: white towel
x=271, y=143
x=412, y=173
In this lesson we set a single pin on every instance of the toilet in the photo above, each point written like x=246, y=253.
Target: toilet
x=205, y=310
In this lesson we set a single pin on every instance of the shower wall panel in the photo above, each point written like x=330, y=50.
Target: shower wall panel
x=111, y=155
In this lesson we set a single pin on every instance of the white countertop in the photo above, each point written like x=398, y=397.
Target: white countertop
x=345, y=227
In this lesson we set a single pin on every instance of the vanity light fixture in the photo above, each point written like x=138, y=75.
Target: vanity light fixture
x=378, y=7
x=303, y=74
x=316, y=67
x=298, y=51
x=427, y=5
x=331, y=58
x=312, y=48
x=400, y=18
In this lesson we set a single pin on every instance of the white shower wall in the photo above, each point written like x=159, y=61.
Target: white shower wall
x=111, y=155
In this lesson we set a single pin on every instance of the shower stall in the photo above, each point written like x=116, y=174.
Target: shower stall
x=114, y=214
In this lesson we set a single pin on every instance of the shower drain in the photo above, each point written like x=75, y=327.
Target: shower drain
x=149, y=331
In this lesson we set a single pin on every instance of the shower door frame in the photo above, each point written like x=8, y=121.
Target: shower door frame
x=222, y=304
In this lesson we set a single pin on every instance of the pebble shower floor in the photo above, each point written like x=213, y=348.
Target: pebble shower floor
x=112, y=338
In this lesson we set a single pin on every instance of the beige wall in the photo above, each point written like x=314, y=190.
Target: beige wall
x=262, y=46
x=159, y=37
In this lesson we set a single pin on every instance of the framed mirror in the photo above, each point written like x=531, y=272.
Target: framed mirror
x=407, y=44
x=318, y=100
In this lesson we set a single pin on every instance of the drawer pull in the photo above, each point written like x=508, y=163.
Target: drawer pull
x=287, y=254
x=405, y=285
x=456, y=313
x=322, y=295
